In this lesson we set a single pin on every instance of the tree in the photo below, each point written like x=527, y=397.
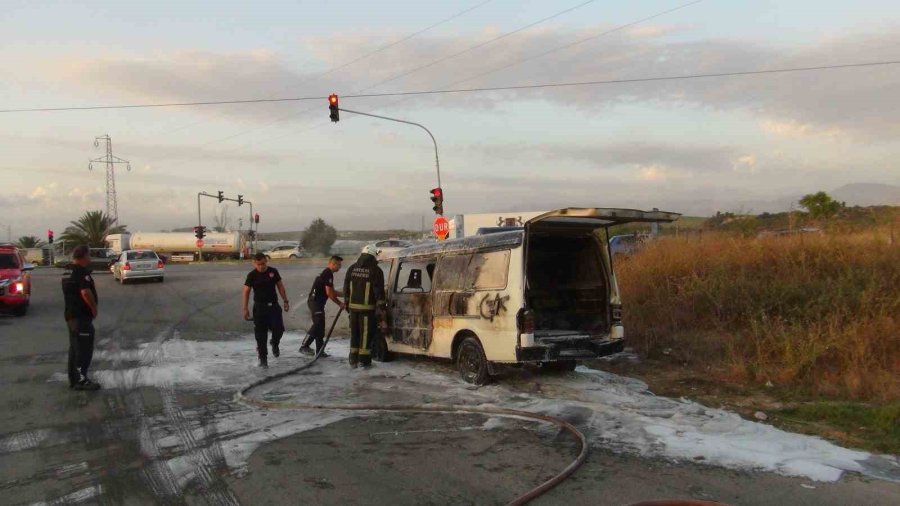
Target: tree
x=319, y=237
x=90, y=229
x=821, y=205
x=30, y=241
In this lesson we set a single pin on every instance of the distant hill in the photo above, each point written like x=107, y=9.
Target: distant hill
x=868, y=194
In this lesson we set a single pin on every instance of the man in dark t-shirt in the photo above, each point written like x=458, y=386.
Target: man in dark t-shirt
x=81, y=309
x=322, y=291
x=263, y=281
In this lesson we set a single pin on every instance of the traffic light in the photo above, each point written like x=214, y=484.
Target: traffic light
x=50, y=236
x=221, y=196
x=200, y=232
x=256, y=218
x=437, y=196
x=240, y=200
x=333, y=107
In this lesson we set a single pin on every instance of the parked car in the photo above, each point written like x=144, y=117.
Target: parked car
x=102, y=259
x=468, y=299
x=286, y=251
x=389, y=246
x=627, y=244
x=15, y=280
x=138, y=264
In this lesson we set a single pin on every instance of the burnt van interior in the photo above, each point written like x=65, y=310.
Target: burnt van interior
x=567, y=285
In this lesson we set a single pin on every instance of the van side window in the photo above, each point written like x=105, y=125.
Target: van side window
x=489, y=271
x=414, y=276
x=451, y=273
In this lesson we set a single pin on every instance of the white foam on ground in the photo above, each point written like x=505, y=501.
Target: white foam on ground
x=615, y=412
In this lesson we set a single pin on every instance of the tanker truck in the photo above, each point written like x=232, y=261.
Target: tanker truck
x=175, y=244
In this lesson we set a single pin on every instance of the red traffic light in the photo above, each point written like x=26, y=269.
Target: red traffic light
x=437, y=196
x=335, y=112
x=256, y=218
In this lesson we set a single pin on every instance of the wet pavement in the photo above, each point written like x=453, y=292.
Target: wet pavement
x=167, y=429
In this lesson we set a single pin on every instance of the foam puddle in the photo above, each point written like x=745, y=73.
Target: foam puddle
x=617, y=413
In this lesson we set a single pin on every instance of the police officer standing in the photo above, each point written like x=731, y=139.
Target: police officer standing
x=81, y=309
x=263, y=280
x=363, y=289
x=322, y=291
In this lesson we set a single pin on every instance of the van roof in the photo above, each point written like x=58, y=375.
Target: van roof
x=466, y=244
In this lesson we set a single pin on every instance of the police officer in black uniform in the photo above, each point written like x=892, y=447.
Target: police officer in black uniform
x=81, y=309
x=322, y=291
x=267, y=317
x=363, y=290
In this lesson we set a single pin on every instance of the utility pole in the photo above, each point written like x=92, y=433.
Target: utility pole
x=112, y=206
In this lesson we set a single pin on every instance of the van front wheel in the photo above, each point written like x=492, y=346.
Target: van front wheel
x=472, y=364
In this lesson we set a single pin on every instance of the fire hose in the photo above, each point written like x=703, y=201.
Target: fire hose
x=425, y=408
x=525, y=498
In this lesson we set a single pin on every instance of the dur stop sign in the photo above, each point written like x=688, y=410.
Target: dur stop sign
x=441, y=228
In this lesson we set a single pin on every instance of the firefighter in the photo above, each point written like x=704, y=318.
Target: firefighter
x=81, y=309
x=267, y=317
x=322, y=291
x=363, y=290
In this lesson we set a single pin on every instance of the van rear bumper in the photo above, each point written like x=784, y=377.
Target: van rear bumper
x=579, y=350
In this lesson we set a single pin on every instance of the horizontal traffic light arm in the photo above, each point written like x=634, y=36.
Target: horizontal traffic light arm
x=437, y=161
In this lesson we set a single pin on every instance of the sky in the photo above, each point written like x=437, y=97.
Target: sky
x=690, y=146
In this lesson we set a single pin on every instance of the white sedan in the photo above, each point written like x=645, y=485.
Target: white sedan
x=138, y=264
x=285, y=252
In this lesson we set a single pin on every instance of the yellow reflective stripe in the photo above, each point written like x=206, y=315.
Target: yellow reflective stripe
x=362, y=307
x=363, y=349
x=354, y=350
x=366, y=298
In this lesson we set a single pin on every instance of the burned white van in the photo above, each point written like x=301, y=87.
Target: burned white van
x=544, y=294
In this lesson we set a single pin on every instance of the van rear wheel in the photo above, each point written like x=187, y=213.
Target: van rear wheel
x=471, y=362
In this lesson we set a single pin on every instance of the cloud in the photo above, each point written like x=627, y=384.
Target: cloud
x=850, y=100
x=683, y=158
x=795, y=130
x=651, y=173
x=746, y=163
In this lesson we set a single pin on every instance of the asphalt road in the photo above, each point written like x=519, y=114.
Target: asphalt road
x=148, y=439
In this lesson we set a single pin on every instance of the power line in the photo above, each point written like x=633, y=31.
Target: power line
x=478, y=90
x=358, y=59
x=479, y=45
x=577, y=42
x=454, y=83
x=412, y=70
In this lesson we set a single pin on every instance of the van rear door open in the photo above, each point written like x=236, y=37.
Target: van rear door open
x=570, y=288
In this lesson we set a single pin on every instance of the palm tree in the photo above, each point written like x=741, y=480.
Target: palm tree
x=29, y=241
x=90, y=229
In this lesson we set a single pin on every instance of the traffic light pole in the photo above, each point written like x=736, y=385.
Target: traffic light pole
x=200, y=220
x=239, y=203
x=437, y=161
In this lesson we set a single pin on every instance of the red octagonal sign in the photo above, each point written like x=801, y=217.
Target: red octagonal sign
x=441, y=228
